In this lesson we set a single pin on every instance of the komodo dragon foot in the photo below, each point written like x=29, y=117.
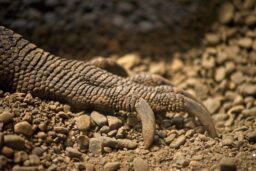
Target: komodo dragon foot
x=26, y=68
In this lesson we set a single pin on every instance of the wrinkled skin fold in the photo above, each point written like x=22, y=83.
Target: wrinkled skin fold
x=26, y=68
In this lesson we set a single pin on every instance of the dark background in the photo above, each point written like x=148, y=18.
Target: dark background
x=82, y=29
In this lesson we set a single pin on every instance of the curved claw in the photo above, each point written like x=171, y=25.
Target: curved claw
x=197, y=109
x=148, y=121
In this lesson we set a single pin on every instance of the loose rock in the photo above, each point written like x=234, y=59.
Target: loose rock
x=95, y=146
x=83, y=122
x=14, y=141
x=99, y=119
x=112, y=166
x=114, y=122
x=23, y=128
x=6, y=116
x=178, y=141
x=251, y=136
x=226, y=13
x=140, y=165
x=73, y=153
x=227, y=164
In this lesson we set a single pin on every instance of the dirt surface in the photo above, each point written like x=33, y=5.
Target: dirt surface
x=218, y=67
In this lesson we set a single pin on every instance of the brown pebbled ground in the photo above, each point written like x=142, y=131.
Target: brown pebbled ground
x=221, y=72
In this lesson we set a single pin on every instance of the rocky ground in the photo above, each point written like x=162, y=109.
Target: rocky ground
x=220, y=70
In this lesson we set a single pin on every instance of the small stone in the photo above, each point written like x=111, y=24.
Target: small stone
x=129, y=61
x=246, y=112
x=247, y=89
x=34, y=159
x=251, y=136
x=125, y=143
x=245, y=42
x=158, y=68
x=7, y=151
x=83, y=122
x=89, y=167
x=111, y=166
x=170, y=138
x=112, y=133
x=38, y=151
x=96, y=146
x=83, y=141
x=60, y=129
x=220, y=74
x=114, y=122
x=212, y=39
x=73, y=153
x=3, y=161
x=23, y=128
x=228, y=164
x=176, y=65
x=105, y=129
x=6, y=116
x=99, y=119
x=79, y=165
x=227, y=140
x=178, y=141
x=20, y=156
x=212, y=104
x=52, y=167
x=250, y=20
x=14, y=141
x=42, y=126
x=63, y=115
x=180, y=159
x=226, y=13
x=120, y=133
x=140, y=165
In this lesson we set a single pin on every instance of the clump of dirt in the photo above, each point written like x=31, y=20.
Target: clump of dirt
x=46, y=135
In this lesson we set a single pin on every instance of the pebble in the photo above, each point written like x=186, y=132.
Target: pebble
x=140, y=165
x=111, y=166
x=79, y=165
x=7, y=151
x=83, y=122
x=226, y=13
x=129, y=61
x=120, y=133
x=245, y=42
x=227, y=140
x=99, y=119
x=180, y=159
x=176, y=65
x=105, y=129
x=38, y=151
x=170, y=138
x=228, y=164
x=114, y=122
x=20, y=156
x=3, y=161
x=6, y=116
x=212, y=104
x=60, y=129
x=83, y=141
x=73, y=153
x=96, y=146
x=14, y=141
x=212, y=39
x=24, y=128
x=34, y=159
x=251, y=136
x=220, y=74
x=247, y=89
x=246, y=112
x=176, y=143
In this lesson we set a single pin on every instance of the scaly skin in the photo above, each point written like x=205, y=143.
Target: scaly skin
x=26, y=68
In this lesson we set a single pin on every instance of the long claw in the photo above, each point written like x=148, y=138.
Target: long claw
x=197, y=109
x=148, y=121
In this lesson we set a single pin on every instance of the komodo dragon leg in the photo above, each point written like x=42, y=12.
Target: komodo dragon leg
x=161, y=85
x=26, y=68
